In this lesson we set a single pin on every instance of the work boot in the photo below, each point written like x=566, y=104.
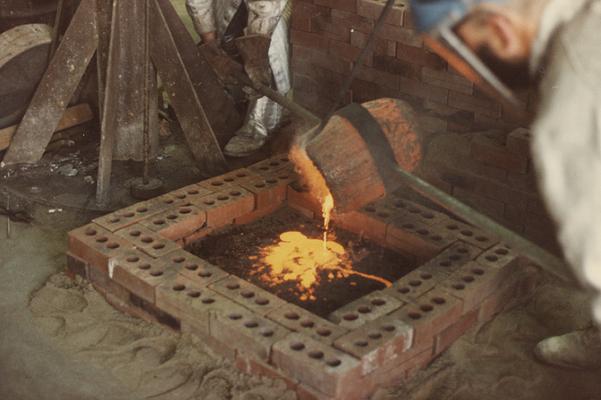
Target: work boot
x=576, y=350
x=264, y=116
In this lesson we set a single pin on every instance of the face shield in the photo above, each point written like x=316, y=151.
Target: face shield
x=437, y=19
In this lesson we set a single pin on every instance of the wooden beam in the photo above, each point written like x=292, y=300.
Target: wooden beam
x=73, y=116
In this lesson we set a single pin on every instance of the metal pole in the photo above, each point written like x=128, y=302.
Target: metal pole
x=146, y=92
x=538, y=255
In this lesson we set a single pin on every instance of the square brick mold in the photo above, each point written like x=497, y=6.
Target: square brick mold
x=136, y=258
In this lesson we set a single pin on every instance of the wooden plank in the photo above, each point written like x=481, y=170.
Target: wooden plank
x=56, y=87
x=179, y=87
x=218, y=104
x=74, y=116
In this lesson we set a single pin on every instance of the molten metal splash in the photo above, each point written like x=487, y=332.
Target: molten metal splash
x=305, y=261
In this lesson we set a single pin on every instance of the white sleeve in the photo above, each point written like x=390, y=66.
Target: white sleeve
x=567, y=153
x=202, y=13
x=264, y=15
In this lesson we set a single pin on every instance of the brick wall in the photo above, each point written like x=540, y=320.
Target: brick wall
x=491, y=172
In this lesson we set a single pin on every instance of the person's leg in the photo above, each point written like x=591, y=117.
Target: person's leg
x=264, y=115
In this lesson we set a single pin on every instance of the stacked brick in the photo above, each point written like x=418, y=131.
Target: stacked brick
x=136, y=258
x=327, y=36
x=494, y=173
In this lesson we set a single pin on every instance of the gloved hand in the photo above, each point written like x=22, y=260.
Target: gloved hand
x=254, y=50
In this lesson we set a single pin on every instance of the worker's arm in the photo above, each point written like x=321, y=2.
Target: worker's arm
x=202, y=13
x=567, y=146
x=264, y=15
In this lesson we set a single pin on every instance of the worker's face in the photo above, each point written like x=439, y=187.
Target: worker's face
x=499, y=41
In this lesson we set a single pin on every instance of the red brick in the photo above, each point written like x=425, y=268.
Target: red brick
x=377, y=342
x=198, y=271
x=248, y=295
x=299, y=320
x=317, y=365
x=214, y=346
x=177, y=223
x=257, y=215
x=184, y=195
x=269, y=192
x=491, y=153
x=192, y=304
x=246, y=331
x=446, y=263
x=220, y=183
x=304, y=392
x=272, y=165
x=300, y=199
x=469, y=234
x=76, y=266
x=473, y=103
x=431, y=313
x=251, y=365
x=419, y=56
x=446, y=338
x=519, y=142
x=96, y=245
x=447, y=80
x=135, y=213
x=148, y=241
x=224, y=207
x=364, y=309
x=140, y=273
x=309, y=39
x=344, y=5
x=423, y=90
x=372, y=9
x=500, y=257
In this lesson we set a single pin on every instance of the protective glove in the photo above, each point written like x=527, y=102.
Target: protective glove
x=254, y=50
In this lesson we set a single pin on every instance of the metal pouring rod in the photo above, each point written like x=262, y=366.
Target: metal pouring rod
x=547, y=261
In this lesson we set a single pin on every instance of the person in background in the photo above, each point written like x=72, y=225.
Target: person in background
x=555, y=44
x=222, y=21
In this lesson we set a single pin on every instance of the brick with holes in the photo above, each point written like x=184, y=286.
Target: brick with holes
x=418, y=211
x=473, y=283
x=248, y=295
x=501, y=256
x=450, y=260
x=377, y=342
x=300, y=199
x=186, y=194
x=257, y=215
x=192, y=304
x=299, y=320
x=468, y=234
x=371, y=221
x=233, y=178
x=251, y=365
x=140, y=273
x=409, y=235
x=199, y=271
x=246, y=331
x=269, y=192
x=272, y=165
x=177, y=223
x=364, y=309
x=225, y=206
x=133, y=214
x=96, y=245
x=448, y=336
x=148, y=241
x=429, y=315
x=317, y=365
x=76, y=266
x=411, y=286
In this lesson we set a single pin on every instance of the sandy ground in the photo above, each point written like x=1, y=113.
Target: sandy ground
x=60, y=340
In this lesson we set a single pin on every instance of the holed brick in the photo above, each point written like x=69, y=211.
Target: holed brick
x=269, y=192
x=299, y=320
x=177, y=223
x=135, y=213
x=76, y=266
x=500, y=256
x=252, y=365
x=450, y=260
x=409, y=235
x=473, y=283
x=318, y=365
x=192, y=304
x=186, y=194
x=257, y=214
x=199, y=271
x=274, y=164
x=411, y=286
x=148, y=241
x=140, y=273
x=246, y=331
x=447, y=337
x=371, y=221
x=364, y=309
x=469, y=234
x=96, y=245
x=377, y=342
x=248, y=295
x=300, y=199
x=224, y=207
x=419, y=211
x=233, y=178
x=429, y=315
